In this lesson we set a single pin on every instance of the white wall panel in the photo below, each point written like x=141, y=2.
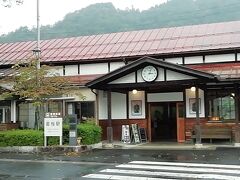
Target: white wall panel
x=130, y=78
x=116, y=65
x=95, y=68
x=190, y=96
x=165, y=97
x=173, y=76
x=193, y=60
x=83, y=94
x=56, y=70
x=220, y=58
x=102, y=113
x=118, y=105
x=71, y=70
x=174, y=60
x=139, y=97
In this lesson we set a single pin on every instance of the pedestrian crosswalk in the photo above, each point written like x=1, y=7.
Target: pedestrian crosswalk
x=150, y=170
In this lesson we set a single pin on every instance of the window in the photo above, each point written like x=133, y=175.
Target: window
x=84, y=110
x=54, y=107
x=221, y=106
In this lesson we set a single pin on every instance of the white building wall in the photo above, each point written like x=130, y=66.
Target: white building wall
x=118, y=105
x=174, y=60
x=116, y=65
x=83, y=94
x=139, y=97
x=130, y=78
x=102, y=101
x=173, y=76
x=165, y=97
x=56, y=70
x=95, y=68
x=190, y=97
x=71, y=70
x=220, y=58
x=193, y=60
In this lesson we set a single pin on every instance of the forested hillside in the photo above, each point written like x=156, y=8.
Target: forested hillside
x=105, y=18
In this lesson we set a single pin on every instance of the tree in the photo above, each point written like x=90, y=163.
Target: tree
x=37, y=85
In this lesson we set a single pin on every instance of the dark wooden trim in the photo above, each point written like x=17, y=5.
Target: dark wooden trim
x=109, y=104
x=184, y=103
x=64, y=71
x=143, y=62
x=146, y=104
x=136, y=76
x=236, y=56
x=165, y=74
x=203, y=59
x=198, y=130
x=127, y=104
x=109, y=68
x=183, y=60
x=78, y=68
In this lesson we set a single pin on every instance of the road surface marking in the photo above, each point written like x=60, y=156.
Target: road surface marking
x=149, y=170
x=187, y=164
x=176, y=168
x=116, y=177
x=170, y=174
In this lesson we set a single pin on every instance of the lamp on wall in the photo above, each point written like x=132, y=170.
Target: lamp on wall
x=134, y=91
x=193, y=89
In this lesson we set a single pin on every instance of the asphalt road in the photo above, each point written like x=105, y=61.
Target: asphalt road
x=116, y=163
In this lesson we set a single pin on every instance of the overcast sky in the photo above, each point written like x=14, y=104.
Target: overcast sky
x=52, y=11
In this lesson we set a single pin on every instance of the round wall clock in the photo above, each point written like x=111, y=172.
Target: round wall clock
x=149, y=73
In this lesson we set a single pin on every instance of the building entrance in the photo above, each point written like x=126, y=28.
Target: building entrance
x=163, y=121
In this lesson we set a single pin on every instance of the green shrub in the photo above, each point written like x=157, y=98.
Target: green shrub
x=89, y=132
x=21, y=138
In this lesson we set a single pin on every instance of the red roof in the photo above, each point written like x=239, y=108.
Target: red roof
x=223, y=70
x=124, y=44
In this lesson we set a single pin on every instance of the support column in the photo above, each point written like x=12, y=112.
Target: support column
x=198, y=128
x=13, y=111
x=237, y=124
x=109, y=127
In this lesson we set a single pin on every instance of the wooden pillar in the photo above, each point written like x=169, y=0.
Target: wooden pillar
x=109, y=128
x=237, y=124
x=198, y=128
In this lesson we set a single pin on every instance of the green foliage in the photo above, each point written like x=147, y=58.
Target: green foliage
x=21, y=138
x=105, y=18
x=90, y=134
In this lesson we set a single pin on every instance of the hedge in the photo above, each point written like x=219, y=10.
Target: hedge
x=89, y=133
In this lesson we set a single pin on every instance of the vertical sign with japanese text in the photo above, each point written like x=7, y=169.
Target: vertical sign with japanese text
x=53, y=126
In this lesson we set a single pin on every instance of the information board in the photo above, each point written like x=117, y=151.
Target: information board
x=135, y=133
x=52, y=126
x=143, y=135
x=126, y=134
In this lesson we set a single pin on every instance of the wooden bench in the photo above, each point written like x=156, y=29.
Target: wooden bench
x=211, y=132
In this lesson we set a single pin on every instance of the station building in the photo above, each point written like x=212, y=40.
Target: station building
x=167, y=80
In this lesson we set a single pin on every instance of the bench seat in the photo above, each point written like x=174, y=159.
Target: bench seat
x=214, y=133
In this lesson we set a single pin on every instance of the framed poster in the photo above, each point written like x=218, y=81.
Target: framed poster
x=136, y=107
x=193, y=107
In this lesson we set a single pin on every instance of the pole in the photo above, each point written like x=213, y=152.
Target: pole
x=198, y=129
x=38, y=36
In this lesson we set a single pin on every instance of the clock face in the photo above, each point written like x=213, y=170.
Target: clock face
x=149, y=73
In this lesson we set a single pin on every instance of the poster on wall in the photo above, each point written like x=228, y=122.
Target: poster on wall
x=193, y=106
x=136, y=107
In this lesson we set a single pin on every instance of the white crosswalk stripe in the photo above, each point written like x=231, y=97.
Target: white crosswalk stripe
x=149, y=170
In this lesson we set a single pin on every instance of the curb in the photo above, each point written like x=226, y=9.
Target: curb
x=49, y=149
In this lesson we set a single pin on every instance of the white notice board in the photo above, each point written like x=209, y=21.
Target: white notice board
x=53, y=127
